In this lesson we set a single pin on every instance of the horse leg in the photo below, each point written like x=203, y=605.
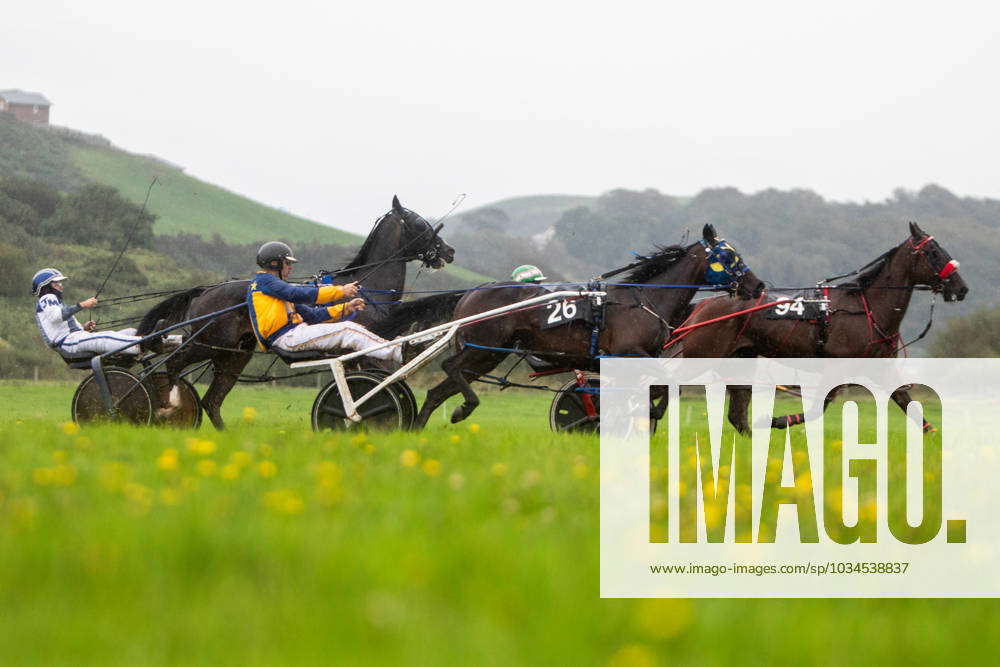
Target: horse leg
x=167, y=394
x=226, y=370
x=473, y=362
x=902, y=398
x=657, y=408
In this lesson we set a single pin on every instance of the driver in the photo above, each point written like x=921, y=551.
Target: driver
x=59, y=327
x=297, y=317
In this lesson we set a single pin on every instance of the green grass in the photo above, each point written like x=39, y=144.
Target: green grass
x=348, y=555
x=187, y=205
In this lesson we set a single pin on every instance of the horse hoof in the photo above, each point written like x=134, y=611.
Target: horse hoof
x=167, y=412
x=458, y=414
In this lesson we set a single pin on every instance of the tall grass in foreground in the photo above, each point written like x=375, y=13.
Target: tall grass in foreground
x=467, y=544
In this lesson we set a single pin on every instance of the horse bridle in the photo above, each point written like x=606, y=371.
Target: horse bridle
x=943, y=270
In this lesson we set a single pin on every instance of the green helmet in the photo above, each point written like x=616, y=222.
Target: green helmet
x=527, y=273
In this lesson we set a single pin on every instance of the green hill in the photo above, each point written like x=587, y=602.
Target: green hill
x=185, y=204
x=530, y=215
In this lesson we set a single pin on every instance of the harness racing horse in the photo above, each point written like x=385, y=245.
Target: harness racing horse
x=636, y=319
x=862, y=319
x=398, y=237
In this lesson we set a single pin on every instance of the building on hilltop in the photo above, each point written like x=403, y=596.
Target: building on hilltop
x=29, y=107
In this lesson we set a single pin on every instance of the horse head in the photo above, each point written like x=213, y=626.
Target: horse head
x=422, y=240
x=934, y=266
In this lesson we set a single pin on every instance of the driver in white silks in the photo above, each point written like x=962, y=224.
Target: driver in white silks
x=59, y=327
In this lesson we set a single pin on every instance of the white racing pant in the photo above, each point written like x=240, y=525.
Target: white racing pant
x=333, y=336
x=99, y=342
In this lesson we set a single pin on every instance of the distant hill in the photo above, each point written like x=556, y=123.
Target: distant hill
x=531, y=215
x=67, y=159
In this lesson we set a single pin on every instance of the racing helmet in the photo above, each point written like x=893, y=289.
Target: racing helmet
x=43, y=278
x=272, y=254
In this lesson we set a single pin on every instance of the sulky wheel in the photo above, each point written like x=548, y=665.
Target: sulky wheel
x=188, y=415
x=577, y=406
x=130, y=396
x=383, y=411
x=403, y=392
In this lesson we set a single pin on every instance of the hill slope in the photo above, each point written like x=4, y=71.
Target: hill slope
x=529, y=215
x=185, y=204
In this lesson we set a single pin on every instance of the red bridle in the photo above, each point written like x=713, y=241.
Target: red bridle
x=948, y=269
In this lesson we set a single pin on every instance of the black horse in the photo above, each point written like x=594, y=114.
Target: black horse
x=637, y=320
x=398, y=237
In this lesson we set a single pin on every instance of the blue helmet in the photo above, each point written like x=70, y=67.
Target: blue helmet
x=43, y=278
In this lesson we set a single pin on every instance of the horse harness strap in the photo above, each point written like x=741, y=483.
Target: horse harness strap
x=598, y=304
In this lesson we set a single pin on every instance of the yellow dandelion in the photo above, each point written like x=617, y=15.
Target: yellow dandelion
x=206, y=467
x=249, y=414
x=170, y=496
x=663, y=618
x=633, y=655
x=432, y=467
x=138, y=494
x=284, y=501
x=455, y=439
x=580, y=470
x=168, y=460
x=369, y=448
x=359, y=439
x=70, y=428
x=409, y=458
x=267, y=469
x=499, y=469
x=473, y=428
x=42, y=476
x=200, y=446
x=240, y=458
x=229, y=472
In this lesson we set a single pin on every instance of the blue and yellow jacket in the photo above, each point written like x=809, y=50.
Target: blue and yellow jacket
x=277, y=306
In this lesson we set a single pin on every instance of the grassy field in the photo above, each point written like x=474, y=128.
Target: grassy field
x=188, y=205
x=468, y=544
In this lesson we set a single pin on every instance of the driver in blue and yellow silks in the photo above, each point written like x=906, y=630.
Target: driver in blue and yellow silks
x=297, y=317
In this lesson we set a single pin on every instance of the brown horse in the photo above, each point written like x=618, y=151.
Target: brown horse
x=862, y=319
x=636, y=319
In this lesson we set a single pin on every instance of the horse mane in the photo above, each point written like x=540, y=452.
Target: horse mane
x=171, y=309
x=425, y=313
x=655, y=264
x=867, y=274
x=367, y=245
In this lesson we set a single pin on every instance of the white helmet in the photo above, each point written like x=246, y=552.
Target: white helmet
x=43, y=278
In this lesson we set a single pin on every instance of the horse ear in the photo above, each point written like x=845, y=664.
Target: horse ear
x=915, y=231
x=396, y=206
x=708, y=233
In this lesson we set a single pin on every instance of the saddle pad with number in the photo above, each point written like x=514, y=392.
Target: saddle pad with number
x=558, y=313
x=808, y=307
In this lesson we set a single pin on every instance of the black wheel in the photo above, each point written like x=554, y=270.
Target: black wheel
x=188, y=415
x=577, y=409
x=383, y=411
x=130, y=396
x=403, y=392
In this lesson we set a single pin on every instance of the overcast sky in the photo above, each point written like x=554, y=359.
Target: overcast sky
x=326, y=109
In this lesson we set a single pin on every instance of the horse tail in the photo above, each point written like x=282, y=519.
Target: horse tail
x=171, y=310
x=418, y=314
